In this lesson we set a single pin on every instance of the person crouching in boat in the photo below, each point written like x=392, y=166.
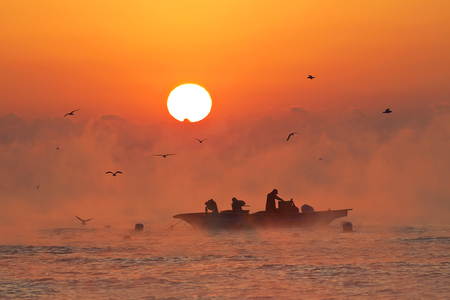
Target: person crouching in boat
x=212, y=206
x=236, y=205
x=270, y=203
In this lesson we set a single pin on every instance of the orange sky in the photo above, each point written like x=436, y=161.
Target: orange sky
x=117, y=62
x=112, y=56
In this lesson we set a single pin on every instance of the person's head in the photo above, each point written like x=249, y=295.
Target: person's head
x=275, y=191
x=233, y=199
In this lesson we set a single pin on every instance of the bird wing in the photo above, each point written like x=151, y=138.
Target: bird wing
x=158, y=155
x=170, y=154
x=88, y=220
x=289, y=136
x=79, y=218
x=74, y=110
x=118, y=172
x=109, y=172
x=66, y=115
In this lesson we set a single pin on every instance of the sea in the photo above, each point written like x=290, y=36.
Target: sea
x=180, y=262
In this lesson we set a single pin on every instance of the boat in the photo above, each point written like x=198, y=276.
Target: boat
x=236, y=220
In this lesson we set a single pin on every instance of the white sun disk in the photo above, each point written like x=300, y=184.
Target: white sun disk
x=189, y=101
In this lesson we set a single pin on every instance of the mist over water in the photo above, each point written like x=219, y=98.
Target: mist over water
x=386, y=167
x=374, y=262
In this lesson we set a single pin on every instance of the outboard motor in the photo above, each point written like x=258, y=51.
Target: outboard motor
x=307, y=208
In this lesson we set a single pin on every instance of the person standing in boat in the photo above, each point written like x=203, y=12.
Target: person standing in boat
x=270, y=203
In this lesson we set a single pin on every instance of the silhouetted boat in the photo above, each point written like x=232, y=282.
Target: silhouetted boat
x=232, y=220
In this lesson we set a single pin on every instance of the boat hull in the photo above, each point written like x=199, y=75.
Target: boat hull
x=261, y=219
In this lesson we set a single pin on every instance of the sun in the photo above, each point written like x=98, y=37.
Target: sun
x=189, y=101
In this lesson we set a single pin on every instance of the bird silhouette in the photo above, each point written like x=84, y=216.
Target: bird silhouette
x=83, y=222
x=200, y=141
x=310, y=77
x=163, y=155
x=114, y=174
x=71, y=113
x=387, y=111
x=291, y=134
x=37, y=187
x=57, y=148
x=320, y=158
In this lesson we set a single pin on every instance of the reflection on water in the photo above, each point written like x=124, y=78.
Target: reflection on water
x=373, y=262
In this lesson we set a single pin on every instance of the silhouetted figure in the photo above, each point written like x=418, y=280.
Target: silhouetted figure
x=212, y=206
x=163, y=155
x=387, y=111
x=310, y=77
x=83, y=222
x=71, y=113
x=236, y=205
x=288, y=206
x=114, y=174
x=307, y=208
x=200, y=141
x=291, y=134
x=270, y=202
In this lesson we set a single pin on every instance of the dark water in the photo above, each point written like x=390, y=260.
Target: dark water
x=403, y=262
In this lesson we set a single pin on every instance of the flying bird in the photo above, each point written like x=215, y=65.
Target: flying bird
x=163, y=155
x=291, y=134
x=37, y=187
x=57, y=148
x=310, y=77
x=320, y=158
x=387, y=111
x=114, y=174
x=71, y=113
x=200, y=141
x=83, y=222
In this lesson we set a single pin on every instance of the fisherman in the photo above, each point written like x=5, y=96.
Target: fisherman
x=270, y=203
x=212, y=206
x=236, y=205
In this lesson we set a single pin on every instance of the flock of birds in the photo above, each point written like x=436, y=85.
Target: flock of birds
x=83, y=221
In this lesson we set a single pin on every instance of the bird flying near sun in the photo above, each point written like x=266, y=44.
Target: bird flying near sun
x=199, y=140
x=71, y=113
x=387, y=111
x=291, y=134
x=163, y=155
x=189, y=101
x=310, y=77
x=114, y=173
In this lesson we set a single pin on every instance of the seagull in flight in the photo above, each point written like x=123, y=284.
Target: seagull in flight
x=163, y=155
x=114, y=174
x=387, y=111
x=71, y=113
x=83, y=222
x=200, y=141
x=310, y=77
x=291, y=134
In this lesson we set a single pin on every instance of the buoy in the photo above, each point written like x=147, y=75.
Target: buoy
x=347, y=226
x=127, y=237
x=138, y=227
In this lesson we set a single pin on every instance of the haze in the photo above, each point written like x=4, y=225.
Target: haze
x=117, y=62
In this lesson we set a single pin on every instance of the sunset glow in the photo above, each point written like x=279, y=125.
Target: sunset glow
x=133, y=112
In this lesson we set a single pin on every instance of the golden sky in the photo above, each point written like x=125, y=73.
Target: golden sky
x=126, y=56
x=117, y=62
